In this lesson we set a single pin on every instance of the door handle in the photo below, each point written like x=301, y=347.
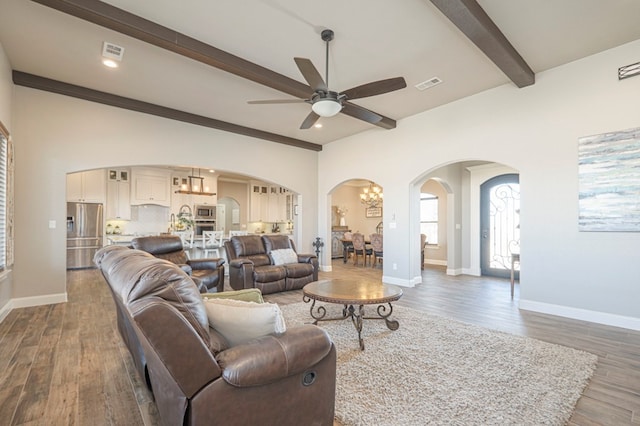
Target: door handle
x=485, y=234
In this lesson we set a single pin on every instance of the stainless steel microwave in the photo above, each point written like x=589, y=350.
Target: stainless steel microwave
x=203, y=211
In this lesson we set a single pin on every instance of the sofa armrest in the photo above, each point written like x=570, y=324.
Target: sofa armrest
x=270, y=358
x=210, y=263
x=312, y=259
x=306, y=258
x=241, y=274
x=167, y=338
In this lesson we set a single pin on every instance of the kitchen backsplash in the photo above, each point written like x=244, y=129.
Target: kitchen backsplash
x=145, y=219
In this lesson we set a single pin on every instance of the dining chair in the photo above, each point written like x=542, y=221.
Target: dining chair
x=212, y=241
x=360, y=249
x=376, y=247
x=186, y=237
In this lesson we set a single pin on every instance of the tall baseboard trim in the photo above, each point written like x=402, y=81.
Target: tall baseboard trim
x=582, y=314
x=27, y=302
x=435, y=262
x=48, y=299
x=397, y=281
x=4, y=311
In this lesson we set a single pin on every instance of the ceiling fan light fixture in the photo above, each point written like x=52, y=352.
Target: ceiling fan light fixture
x=326, y=107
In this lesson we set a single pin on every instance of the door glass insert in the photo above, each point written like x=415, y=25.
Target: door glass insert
x=500, y=224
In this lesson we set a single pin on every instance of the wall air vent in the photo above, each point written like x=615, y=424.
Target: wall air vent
x=628, y=71
x=112, y=51
x=434, y=81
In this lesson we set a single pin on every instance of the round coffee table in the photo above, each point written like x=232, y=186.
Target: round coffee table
x=351, y=293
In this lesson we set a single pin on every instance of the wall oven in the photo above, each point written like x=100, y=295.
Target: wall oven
x=204, y=225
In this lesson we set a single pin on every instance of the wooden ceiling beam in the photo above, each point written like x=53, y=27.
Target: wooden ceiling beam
x=119, y=20
x=474, y=22
x=54, y=86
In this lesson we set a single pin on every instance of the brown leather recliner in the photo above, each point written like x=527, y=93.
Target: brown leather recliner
x=196, y=379
x=251, y=266
x=208, y=273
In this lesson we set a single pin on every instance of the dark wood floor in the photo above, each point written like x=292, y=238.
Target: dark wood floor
x=65, y=364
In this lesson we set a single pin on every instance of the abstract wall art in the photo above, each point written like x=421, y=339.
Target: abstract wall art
x=609, y=182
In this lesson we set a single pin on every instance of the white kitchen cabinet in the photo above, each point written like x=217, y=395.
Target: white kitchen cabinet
x=86, y=187
x=150, y=187
x=259, y=202
x=118, y=195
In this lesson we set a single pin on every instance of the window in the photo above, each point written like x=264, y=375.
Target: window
x=429, y=217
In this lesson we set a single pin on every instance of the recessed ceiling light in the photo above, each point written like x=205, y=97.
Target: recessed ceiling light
x=317, y=125
x=110, y=63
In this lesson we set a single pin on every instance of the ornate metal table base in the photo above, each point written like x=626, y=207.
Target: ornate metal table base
x=357, y=316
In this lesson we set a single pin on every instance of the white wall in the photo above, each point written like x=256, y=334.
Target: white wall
x=535, y=131
x=57, y=134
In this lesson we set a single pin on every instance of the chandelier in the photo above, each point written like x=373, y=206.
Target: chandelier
x=371, y=196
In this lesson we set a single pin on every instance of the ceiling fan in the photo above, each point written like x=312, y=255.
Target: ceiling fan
x=327, y=103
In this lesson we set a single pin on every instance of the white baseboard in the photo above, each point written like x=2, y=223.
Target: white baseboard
x=27, y=302
x=397, y=281
x=604, y=318
x=435, y=262
x=472, y=271
x=4, y=311
x=455, y=272
x=47, y=299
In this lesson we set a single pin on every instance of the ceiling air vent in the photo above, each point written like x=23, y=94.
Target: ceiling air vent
x=429, y=83
x=112, y=51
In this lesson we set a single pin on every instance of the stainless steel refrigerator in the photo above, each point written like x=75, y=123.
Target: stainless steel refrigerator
x=84, y=234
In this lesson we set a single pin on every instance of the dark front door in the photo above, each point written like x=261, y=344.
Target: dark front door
x=499, y=225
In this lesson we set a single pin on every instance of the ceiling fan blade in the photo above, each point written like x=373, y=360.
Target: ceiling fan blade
x=375, y=88
x=311, y=74
x=360, y=113
x=309, y=121
x=278, y=101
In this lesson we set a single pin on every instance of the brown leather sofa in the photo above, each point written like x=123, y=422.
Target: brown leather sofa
x=196, y=379
x=208, y=273
x=251, y=266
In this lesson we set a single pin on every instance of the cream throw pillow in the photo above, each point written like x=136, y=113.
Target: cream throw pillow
x=283, y=256
x=239, y=321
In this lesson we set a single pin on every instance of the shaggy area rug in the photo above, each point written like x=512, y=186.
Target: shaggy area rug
x=436, y=371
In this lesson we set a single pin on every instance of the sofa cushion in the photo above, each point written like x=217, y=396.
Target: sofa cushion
x=248, y=245
x=299, y=270
x=268, y=273
x=239, y=321
x=283, y=256
x=277, y=242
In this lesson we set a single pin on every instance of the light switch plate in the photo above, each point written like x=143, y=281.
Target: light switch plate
x=52, y=224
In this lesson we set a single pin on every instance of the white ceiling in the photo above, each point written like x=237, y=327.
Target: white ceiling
x=374, y=39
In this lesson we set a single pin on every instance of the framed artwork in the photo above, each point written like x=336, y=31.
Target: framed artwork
x=609, y=181
x=176, y=181
x=373, y=212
